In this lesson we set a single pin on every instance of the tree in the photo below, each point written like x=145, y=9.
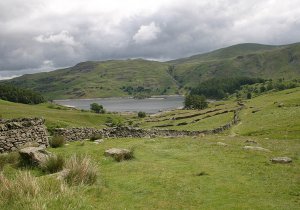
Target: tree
x=249, y=95
x=141, y=114
x=195, y=102
x=97, y=108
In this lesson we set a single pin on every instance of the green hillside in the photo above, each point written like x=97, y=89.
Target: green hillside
x=250, y=60
x=102, y=79
x=141, y=77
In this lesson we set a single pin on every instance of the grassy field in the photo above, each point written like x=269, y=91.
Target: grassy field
x=178, y=172
x=182, y=173
x=56, y=116
x=274, y=115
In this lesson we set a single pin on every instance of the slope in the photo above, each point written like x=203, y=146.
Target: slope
x=102, y=79
x=94, y=79
x=252, y=60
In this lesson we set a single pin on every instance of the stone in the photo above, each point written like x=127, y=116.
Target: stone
x=222, y=144
x=99, y=141
x=255, y=148
x=280, y=105
x=119, y=154
x=34, y=155
x=61, y=175
x=282, y=160
x=251, y=141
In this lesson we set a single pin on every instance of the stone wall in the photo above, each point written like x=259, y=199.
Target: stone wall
x=76, y=134
x=17, y=132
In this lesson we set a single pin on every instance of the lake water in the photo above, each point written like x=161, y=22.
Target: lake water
x=148, y=105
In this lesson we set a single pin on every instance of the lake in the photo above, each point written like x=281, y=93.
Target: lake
x=148, y=105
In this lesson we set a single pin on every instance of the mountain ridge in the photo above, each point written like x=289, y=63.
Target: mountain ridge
x=109, y=78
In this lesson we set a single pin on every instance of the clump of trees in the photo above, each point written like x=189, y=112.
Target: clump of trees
x=250, y=91
x=97, y=108
x=11, y=93
x=195, y=102
x=220, y=88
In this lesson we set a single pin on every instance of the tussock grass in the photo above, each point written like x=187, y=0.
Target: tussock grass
x=53, y=164
x=10, y=158
x=57, y=141
x=26, y=191
x=24, y=186
x=82, y=170
x=95, y=137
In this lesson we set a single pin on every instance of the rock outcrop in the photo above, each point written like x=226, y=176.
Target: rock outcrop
x=119, y=154
x=282, y=160
x=34, y=155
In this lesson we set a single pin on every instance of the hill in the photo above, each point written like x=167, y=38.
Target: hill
x=93, y=79
x=251, y=60
x=199, y=172
x=102, y=79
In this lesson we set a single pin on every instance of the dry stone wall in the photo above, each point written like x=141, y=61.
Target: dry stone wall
x=77, y=134
x=15, y=133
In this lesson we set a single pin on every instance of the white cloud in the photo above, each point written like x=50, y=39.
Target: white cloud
x=66, y=32
x=62, y=38
x=147, y=33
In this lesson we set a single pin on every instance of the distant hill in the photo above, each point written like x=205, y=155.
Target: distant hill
x=102, y=79
x=251, y=60
x=131, y=77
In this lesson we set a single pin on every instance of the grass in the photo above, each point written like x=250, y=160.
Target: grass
x=164, y=174
x=56, y=117
x=57, y=141
x=26, y=191
x=82, y=170
x=53, y=164
x=178, y=173
x=270, y=121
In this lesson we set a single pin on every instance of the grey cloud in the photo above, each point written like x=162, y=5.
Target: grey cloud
x=176, y=30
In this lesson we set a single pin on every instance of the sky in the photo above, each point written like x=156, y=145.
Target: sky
x=42, y=35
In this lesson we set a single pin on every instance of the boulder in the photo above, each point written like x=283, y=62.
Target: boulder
x=34, y=155
x=61, y=175
x=119, y=154
x=222, y=144
x=99, y=141
x=251, y=141
x=281, y=160
x=256, y=148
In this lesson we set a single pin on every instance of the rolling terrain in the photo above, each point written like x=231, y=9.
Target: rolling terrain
x=94, y=79
x=199, y=172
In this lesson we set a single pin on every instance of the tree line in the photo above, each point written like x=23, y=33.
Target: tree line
x=220, y=88
x=11, y=93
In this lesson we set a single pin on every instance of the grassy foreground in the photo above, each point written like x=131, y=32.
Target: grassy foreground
x=182, y=173
x=175, y=173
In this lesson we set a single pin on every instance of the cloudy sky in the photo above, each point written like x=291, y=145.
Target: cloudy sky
x=41, y=35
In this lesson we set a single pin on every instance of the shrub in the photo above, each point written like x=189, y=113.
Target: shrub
x=111, y=122
x=57, y=141
x=95, y=137
x=141, y=114
x=249, y=95
x=53, y=164
x=82, y=170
